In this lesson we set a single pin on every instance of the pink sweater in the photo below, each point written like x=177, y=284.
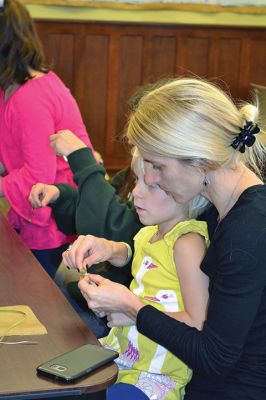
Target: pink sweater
x=39, y=108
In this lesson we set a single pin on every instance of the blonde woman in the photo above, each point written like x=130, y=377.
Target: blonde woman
x=195, y=140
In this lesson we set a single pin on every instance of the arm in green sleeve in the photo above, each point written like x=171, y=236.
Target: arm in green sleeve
x=99, y=210
x=64, y=209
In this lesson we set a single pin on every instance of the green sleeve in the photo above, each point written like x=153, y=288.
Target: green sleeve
x=99, y=210
x=64, y=209
x=95, y=208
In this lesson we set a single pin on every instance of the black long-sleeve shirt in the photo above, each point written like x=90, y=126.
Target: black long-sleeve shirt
x=228, y=357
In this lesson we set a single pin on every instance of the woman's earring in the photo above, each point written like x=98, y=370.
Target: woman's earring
x=205, y=182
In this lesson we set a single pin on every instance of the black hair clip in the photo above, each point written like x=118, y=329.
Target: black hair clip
x=246, y=137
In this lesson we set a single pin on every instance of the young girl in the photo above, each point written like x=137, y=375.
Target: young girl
x=166, y=275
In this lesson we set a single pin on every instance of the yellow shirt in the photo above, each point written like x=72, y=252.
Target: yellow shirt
x=143, y=362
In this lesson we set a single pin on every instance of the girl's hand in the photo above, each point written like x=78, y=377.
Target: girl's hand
x=42, y=194
x=119, y=319
x=65, y=142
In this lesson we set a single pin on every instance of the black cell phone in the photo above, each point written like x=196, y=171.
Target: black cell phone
x=76, y=363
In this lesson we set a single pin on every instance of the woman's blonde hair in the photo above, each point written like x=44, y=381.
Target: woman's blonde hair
x=193, y=120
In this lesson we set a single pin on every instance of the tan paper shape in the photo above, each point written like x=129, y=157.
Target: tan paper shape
x=19, y=320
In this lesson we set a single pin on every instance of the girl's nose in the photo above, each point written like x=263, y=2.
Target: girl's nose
x=136, y=192
x=150, y=176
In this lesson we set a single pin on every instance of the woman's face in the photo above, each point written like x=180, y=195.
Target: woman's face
x=176, y=177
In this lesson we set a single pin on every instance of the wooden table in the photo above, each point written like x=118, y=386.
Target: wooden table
x=24, y=282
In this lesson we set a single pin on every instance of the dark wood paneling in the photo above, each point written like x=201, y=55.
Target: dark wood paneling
x=103, y=63
x=130, y=77
x=91, y=82
x=228, y=63
x=59, y=50
x=162, y=57
x=192, y=56
x=257, y=61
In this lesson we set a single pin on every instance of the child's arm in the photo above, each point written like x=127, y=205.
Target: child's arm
x=119, y=319
x=189, y=251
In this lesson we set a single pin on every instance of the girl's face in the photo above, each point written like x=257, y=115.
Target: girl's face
x=153, y=205
x=180, y=180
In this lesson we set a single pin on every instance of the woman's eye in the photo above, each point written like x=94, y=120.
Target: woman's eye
x=156, y=167
x=154, y=186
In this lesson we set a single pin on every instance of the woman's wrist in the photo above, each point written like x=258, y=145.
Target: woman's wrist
x=121, y=254
x=128, y=254
x=133, y=306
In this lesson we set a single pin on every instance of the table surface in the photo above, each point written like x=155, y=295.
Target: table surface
x=24, y=282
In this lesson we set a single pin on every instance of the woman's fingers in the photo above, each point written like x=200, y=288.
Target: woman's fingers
x=95, y=279
x=86, y=251
x=103, y=294
x=70, y=255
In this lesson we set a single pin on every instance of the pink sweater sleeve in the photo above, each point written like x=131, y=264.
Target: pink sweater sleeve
x=31, y=159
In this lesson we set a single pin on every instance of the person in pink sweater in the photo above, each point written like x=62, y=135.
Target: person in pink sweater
x=34, y=104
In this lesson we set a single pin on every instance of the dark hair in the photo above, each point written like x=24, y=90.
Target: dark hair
x=123, y=182
x=20, y=47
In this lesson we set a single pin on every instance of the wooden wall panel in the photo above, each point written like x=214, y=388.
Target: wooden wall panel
x=162, y=60
x=103, y=63
x=59, y=49
x=257, y=61
x=112, y=101
x=91, y=85
x=130, y=77
x=192, y=56
x=228, y=64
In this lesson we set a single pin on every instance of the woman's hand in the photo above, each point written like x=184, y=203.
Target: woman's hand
x=65, y=142
x=119, y=319
x=88, y=250
x=105, y=296
x=42, y=194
